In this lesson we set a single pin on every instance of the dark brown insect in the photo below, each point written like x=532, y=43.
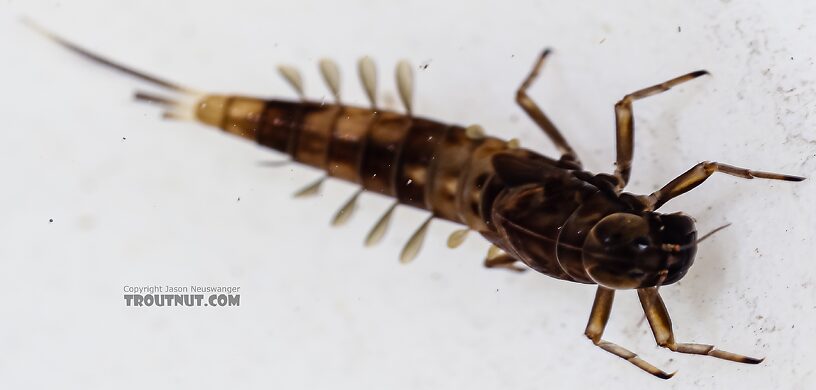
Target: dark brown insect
x=549, y=214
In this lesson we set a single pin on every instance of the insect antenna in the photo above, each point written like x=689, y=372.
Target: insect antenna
x=677, y=248
x=711, y=233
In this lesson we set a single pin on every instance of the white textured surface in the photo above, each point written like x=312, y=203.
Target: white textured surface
x=318, y=310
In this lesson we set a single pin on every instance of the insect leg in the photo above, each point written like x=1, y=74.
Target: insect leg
x=503, y=261
x=661, y=325
x=702, y=171
x=538, y=116
x=595, y=328
x=625, y=128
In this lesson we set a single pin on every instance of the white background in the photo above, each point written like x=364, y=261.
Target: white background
x=136, y=200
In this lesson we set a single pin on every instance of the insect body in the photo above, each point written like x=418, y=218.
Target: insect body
x=549, y=214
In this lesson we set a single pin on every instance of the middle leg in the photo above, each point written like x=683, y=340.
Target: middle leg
x=625, y=127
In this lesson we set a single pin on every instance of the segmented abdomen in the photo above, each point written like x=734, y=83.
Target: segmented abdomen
x=420, y=162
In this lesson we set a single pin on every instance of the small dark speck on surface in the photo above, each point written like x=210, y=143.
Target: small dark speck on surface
x=239, y=199
x=679, y=29
x=124, y=138
x=602, y=41
x=51, y=220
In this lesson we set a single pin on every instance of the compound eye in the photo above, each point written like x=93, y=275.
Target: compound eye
x=612, y=239
x=641, y=243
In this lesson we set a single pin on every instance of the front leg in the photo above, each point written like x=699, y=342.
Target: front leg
x=702, y=171
x=661, y=326
x=598, y=318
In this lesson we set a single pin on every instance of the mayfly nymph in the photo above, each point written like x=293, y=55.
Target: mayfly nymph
x=548, y=214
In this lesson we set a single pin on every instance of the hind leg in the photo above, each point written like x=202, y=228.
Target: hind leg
x=538, y=116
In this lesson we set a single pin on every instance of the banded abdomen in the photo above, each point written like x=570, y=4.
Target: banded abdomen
x=436, y=167
x=422, y=163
